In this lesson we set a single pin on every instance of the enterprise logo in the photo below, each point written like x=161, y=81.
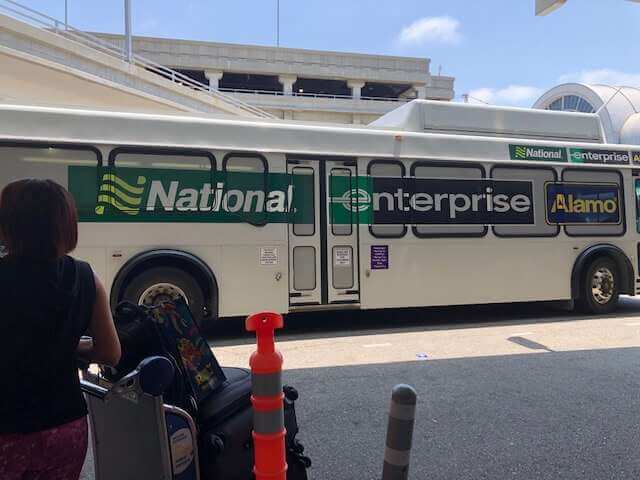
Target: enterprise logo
x=354, y=200
x=359, y=200
x=583, y=155
x=386, y=200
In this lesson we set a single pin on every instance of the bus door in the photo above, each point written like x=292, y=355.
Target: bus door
x=342, y=231
x=305, y=239
x=323, y=249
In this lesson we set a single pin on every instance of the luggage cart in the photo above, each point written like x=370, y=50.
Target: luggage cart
x=128, y=409
x=134, y=434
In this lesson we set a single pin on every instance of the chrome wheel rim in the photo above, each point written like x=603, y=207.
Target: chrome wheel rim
x=602, y=285
x=161, y=292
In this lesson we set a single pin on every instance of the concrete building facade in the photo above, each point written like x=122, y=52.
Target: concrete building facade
x=300, y=84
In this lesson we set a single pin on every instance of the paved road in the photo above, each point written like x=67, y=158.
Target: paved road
x=520, y=391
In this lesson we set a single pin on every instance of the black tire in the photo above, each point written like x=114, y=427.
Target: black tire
x=174, y=277
x=606, y=301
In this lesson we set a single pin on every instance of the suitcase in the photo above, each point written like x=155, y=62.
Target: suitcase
x=227, y=421
x=218, y=398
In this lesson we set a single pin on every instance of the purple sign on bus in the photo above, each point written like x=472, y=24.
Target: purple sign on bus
x=379, y=257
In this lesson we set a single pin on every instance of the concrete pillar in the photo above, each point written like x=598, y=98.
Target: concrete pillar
x=356, y=88
x=214, y=78
x=287, y=82
x=421, y=91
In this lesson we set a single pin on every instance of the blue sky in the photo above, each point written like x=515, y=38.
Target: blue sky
x=498, y=50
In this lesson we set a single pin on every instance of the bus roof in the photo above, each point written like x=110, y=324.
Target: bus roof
x=381, y=139
x=488, y=120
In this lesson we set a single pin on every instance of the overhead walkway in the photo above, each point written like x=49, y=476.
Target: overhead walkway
x=45, y=62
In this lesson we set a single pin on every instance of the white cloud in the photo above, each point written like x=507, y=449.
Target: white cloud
x=431, y=30
x=513, y=95
x=604, y=76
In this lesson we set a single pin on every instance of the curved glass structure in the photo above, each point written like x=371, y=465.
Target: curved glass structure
x=571, y=103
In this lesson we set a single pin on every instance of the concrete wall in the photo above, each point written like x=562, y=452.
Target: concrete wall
x=289, y=64
x=227, y=57
x=99, y=79
x=28, y=80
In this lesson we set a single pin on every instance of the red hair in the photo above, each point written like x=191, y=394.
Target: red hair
x=38, y=219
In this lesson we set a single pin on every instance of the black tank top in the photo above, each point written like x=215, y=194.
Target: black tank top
x=45, y=309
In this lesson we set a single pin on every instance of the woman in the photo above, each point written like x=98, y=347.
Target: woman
x=49, y=301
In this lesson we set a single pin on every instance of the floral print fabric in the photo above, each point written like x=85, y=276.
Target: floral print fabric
x=54, y=454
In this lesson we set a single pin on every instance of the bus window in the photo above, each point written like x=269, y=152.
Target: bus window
x=438, y=170
x=161, y=159
x=340, y=180
x=306, y=229
x=539, y=177
x=135, y=168
x=304, y=264
x=248, y=171
x=596, y=176
x=41, y=161
x=387, y=169
x=244, y=163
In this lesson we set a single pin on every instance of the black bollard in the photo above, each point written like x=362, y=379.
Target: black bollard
x=399, y=433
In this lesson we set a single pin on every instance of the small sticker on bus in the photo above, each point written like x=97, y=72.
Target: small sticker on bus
x=342, y=256
x=269, y=256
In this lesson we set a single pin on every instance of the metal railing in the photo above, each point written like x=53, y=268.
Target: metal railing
x=53, y=25
x=312, y=95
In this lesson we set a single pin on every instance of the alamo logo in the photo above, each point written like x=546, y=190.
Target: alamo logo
x=537, y=153
x=586, y=155
x=570, y=204
x=573, y=203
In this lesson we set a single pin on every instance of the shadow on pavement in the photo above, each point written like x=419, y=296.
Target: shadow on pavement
x=530, y=344
x=328, y=324
x=549, y=415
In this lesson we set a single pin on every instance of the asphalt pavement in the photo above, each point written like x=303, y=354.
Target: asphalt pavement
x=504, y=391
x=549, y=416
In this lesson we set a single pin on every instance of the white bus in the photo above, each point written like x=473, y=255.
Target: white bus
x=433, y=204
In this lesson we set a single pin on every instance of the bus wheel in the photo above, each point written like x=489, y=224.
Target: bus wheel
x=600, y=287
x=162, y=284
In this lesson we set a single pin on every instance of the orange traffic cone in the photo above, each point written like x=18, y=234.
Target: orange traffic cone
x=267, y=398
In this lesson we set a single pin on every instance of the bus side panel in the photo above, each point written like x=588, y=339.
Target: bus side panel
x=254, y=278
x=240, y=256
x=426, y=272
